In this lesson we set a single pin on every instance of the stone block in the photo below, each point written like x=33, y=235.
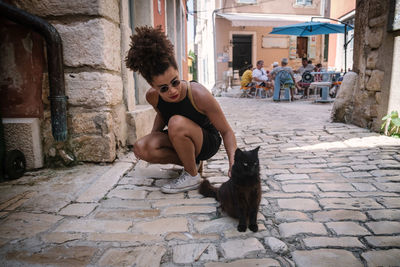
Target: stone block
x=186, y=210
x=276, y=245
x=94, y=148
x=90, y=123
x=127, y=214
x=391, y=202
x=120, y=126
x=104, y=183
x=162, y=226
x=78, y=209
x=344, y=242
x=379, y=21
x=325, y=257
x=342, y=107
x=375, y=81
x=94, y=43
x=128, y=193
x=285, y=177
x=190, y=253
x=386, y=214
x=59, y=238
x=24, y=135
x=216, y=226
x=388, y=187
x=295, y=228
x=182, y=202
x=300, y=188
x=94, y=226
x=349, y=203
x=117, y=203
x=245, y=262
x=374, y=37
x=140, y=256
x=341, y=187
x=291, y=216
x=383, y=241
x=384, y=227
x=140, y=122
x=389, y=257
x=45, y=8
x=347, y=228
x=372, y=59
x=240, y=248
x=56, y=256
x=339, y=215
x=301, y=204
x=93, y=89
x=25, y=225
x=123, y=237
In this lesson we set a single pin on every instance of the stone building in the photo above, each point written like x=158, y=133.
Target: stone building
x=106, y=108
x=377, y=63
x=241, y=30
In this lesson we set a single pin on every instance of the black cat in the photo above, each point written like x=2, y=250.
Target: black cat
x=240, y=196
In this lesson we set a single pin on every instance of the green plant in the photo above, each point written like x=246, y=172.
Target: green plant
x=391, y=126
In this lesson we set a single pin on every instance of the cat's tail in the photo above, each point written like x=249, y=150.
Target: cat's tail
x=207, y=190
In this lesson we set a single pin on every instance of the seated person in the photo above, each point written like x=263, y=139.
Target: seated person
x=260, y=77
x=318, y=77
x=306, y=66
x=247, y=77
x=284, y=67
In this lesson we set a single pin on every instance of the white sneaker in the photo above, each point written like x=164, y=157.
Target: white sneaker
x=183, y=183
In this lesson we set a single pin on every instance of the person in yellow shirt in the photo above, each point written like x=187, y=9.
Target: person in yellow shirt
x=247, y=76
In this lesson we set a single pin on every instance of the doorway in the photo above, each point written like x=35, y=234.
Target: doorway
x=242, y=46
x=302, y=43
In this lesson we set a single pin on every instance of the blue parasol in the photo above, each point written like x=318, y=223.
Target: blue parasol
x=311, y=28
x=316, y=28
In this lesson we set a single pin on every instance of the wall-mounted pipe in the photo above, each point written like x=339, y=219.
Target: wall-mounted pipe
x=55, y=61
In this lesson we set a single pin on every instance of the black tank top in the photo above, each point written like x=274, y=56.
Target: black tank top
x=185, y=108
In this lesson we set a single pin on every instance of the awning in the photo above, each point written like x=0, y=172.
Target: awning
x=258, y=19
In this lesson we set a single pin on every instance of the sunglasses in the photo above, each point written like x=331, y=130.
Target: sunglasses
x=174, y=83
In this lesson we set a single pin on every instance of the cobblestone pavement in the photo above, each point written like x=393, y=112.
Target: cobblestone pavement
x=331, y=197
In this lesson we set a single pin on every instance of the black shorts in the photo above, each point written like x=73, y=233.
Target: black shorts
x=211, y=143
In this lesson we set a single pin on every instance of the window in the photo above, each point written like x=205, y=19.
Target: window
x=246, y=1
x=326, y=47
x=304, y=2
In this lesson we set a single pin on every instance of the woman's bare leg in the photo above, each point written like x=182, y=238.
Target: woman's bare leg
x=181, y=146
x=156, y=148
x=187, y=139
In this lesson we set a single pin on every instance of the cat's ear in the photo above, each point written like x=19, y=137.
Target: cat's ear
x=256, y=149
x=238, y=152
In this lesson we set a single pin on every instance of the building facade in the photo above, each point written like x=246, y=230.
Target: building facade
x=235, y=33
x=106, y=107
x=344, y=11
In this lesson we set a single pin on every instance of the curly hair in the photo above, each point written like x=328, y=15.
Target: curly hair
x=150, y=53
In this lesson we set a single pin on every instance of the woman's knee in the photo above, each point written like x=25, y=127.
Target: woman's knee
x=142, y=149
x=138, y=148
x=176, y=125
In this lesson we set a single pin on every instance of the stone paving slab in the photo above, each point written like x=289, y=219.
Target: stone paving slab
x=329, y=197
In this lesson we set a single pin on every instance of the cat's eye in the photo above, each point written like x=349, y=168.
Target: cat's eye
x=245, y=164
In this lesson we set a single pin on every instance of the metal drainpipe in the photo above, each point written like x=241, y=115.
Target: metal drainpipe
x=55, y=61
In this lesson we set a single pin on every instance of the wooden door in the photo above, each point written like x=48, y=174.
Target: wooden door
x=302, y=43
x=242, y=45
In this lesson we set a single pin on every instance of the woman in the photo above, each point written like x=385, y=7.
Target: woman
x=247, y=76
x=194, y=118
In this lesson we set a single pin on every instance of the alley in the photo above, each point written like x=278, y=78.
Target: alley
x=331, y=197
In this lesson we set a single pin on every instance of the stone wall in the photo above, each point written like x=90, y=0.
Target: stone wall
x=373, y=61
x=94, y=72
